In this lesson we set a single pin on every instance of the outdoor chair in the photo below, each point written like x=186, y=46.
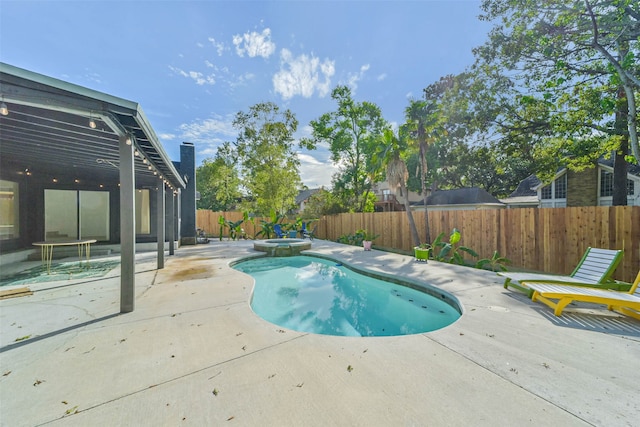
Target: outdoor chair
x=623, y=302
x=277, y=229
x=594, y=270
x=306, y=233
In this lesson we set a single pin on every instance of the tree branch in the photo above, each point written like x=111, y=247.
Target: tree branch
x=622, y=73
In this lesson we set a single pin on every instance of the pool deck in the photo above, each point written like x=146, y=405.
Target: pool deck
x=193, y=353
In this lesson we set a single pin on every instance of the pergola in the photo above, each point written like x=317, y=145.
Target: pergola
x=62, y=130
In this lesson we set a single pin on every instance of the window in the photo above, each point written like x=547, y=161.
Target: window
x=94, y=215
x=60, y=214
x=561, y=187
x=606, y=185
x=554, y=195
x=71, y=214
x=9, y=210
x=143, y=216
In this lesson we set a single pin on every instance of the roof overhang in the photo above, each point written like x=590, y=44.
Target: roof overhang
x=48, y=128
x=558, y=174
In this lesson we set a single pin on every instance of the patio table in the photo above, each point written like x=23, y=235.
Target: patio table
x=46, y=249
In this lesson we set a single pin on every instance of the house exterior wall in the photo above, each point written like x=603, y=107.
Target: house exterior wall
x=581, y=188
x=633, y=196
x=187, y=167
x=379, y=188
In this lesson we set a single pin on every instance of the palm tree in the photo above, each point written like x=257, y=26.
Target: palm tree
x=397, y=174
x=417, y=114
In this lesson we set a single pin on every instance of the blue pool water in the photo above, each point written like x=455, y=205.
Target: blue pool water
x=309, y=294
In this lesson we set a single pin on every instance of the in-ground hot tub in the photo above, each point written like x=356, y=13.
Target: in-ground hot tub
x=282, y=247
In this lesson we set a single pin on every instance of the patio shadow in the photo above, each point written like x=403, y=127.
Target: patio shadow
x=54, y=333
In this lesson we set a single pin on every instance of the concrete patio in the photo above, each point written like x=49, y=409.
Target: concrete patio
x=193, y=353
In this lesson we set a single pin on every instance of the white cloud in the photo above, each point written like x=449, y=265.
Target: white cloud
x=167, y=136
x=209, y=151
x=199, y=44
x=255, y=44
x=92, y=76
x=220, y=46
x=209, y=64
x=315, y=173
x=242, y=80
x=354, y=78
x=196, y=76
x=303, y=75
x=382, y=77
x=213, y=130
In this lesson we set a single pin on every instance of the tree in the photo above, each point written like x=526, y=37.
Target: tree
x=392, y=148
x=321, y=203
x=572, y=73
x=466, y=156
x=351, y=133
x=423, y=126
x=268, y=161
x=218, y=182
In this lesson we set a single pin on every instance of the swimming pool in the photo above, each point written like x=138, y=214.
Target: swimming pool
x=310, y=294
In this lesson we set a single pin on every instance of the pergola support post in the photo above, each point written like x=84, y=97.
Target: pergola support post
x=160, y=214
x=172, y=223
x=127, y=226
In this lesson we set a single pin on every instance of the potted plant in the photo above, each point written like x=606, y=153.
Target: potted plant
x=293, y=228
x=367, y=239
x=422, y=251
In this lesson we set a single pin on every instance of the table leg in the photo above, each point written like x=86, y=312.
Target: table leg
x=47, y=256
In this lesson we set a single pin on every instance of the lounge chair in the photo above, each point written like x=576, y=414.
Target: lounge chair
x=594, y=270
x=308, y=233
x=278, y=230
x=624, y=302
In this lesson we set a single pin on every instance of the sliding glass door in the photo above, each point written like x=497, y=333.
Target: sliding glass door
x=71, y=215
x=94, y=215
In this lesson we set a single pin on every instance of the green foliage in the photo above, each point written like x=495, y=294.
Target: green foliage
x=367, y=235
x=563, y=75
x=235, y=227
x=451, y=251
x=218, y=182
x=351, y=131
x=391, y=152
x=322, y=203
x=267, y=226
x=357, y=238
x=495, y=263
x=267, y=157
x=423, y=127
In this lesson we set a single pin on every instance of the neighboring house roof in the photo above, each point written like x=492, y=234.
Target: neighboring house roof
x=631, y=168
x=460, y=196
x=305, y=194
x=526, y=187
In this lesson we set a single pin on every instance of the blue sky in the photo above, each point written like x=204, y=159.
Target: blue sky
x=192, y=65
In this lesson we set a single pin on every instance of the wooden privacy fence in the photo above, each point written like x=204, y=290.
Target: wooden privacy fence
x=208, y=221
x=543, y=239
